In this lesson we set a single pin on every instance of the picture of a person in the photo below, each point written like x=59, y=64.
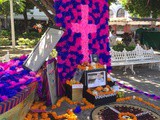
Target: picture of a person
x=99, y=79
x=96, y=79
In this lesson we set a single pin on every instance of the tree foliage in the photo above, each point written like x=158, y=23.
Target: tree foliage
x=18, y=6
x=142, y=8
x=112, y=1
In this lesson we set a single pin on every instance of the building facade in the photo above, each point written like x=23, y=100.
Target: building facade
x=121, y=21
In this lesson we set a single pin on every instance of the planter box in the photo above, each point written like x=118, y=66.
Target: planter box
x=74, y=92
x=100, y=100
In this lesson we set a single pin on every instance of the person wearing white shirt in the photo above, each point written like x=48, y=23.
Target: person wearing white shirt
x=99, y=80
x=112, y=38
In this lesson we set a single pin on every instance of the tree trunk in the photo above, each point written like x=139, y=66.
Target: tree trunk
x=5, y=22
x=45, y=10
x=25, y=20
x=49, y=5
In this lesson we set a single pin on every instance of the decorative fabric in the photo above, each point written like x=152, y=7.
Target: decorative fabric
x=86, y=32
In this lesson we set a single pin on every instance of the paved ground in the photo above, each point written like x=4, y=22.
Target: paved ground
x=18, y=51
x=145, y=79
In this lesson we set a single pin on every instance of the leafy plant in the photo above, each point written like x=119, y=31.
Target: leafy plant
x=120, y=47
x=32, y=43
x=130, y=48
x=27, y=42
x=4, y=41
x=5, y=33
x=120, y=94
x=31, y=35
x=22, y=41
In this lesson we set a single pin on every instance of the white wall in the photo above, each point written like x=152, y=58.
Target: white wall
x=115, y=7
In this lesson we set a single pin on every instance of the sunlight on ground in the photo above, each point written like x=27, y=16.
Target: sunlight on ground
x=18, y=51
x=151, y=82
x=146, y=83
x=134, y=79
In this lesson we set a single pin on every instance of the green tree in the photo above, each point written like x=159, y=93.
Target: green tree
x=18, y=7
x=112, y=1
x=22, y=7
x=142, y=8
x=28, y=6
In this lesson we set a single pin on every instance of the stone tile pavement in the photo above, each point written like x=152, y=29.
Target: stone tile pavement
x=145, y=79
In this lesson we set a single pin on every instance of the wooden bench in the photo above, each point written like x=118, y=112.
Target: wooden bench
x=137, y=56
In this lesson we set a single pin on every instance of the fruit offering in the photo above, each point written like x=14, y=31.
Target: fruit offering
x=72, y=82
x=98, y=91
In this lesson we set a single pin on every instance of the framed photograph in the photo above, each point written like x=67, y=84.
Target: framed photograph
x=95, y=78
x=94, y=58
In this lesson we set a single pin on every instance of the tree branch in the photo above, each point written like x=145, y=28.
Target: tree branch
x=48, y=4
x=42, y=8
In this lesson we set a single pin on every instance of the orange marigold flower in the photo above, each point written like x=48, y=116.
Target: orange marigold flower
x=54, y=114
x=120, y=116
x=108, y=79
x=99, y=88
x=43, y=107
x=44, y=115
x=35, y=115
x=54, y=107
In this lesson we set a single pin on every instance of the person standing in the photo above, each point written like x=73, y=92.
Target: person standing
x=112, y=38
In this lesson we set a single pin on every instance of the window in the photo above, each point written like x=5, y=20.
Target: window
x=111, y=13
x=120, y=13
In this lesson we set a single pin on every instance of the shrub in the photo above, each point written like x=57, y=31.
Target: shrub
x=27, y=42
x=120, y=47
x=130, y=48
x=32, y=43
x=5, y=33
x=4, y=41
x=22, y=41
x=31, y=35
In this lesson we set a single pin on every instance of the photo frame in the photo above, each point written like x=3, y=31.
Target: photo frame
x=95, y=78
x=94, y=58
